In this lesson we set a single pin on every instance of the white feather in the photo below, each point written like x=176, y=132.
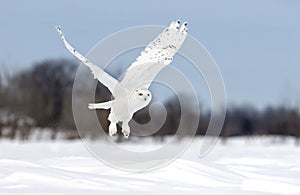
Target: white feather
x=132, y=94
x=157, y=55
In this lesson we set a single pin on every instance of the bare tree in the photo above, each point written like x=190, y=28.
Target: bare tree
x=40, y=92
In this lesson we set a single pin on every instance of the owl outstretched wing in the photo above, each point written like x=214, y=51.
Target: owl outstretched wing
x=157, y=55
x=98, y=73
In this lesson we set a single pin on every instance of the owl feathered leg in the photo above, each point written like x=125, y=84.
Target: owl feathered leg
x=112, y=128
x=103, y=105
x=125, y=129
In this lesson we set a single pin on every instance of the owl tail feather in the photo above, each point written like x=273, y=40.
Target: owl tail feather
x=103, y=105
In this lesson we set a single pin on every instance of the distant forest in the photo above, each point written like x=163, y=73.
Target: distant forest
x=41, y=98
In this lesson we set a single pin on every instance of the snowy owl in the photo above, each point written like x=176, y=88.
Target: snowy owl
x=131, y=93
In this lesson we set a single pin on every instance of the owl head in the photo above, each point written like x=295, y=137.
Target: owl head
x=141, y=98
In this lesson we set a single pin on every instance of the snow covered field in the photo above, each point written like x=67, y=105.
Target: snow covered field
x=241, y=166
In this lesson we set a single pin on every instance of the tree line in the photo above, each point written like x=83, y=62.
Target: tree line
x=40, y=98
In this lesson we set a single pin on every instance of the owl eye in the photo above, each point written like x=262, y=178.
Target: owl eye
x=140, y=94
x=148, y=94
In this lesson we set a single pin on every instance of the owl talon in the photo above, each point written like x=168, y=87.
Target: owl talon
x=112, y=133
x=125, y=133
x=112, y=129
x=91, y=106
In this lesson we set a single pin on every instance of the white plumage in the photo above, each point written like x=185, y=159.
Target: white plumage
x=131, y=93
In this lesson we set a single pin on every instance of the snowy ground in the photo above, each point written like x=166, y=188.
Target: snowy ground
x=241, y=166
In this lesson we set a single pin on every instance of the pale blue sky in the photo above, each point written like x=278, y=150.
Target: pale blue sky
x=256, y=43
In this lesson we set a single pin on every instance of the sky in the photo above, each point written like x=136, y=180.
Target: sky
x=255, y=43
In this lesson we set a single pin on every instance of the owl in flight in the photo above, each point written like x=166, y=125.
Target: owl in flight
x=131, y=93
